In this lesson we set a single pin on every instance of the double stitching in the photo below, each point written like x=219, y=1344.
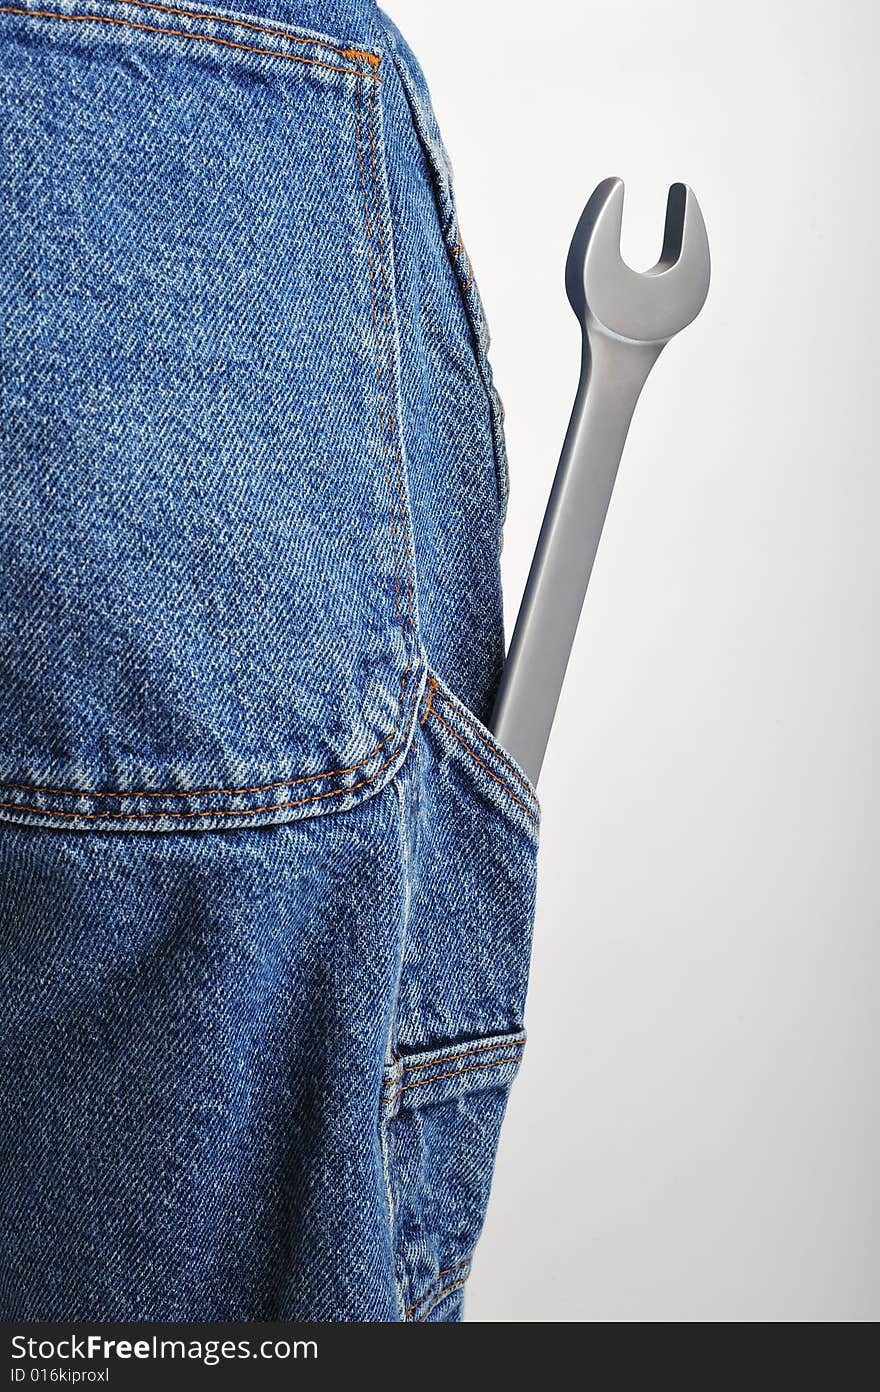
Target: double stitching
x=353, y=54
x=483, y=765
x=452, y=1058
x=441, y=1295
x=356, y=54
x=377, y=334
x=441, y=1077
x=520, y=777
x=119, y=795
x=431, y=1291
x=433, y=693
x=203, y=812
x=210, y=811
x=223, y=811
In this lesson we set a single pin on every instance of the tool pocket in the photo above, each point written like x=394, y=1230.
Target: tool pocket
x=472, y=838
x=443, y=1113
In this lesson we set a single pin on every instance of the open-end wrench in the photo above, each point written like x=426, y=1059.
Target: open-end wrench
x=627, y=318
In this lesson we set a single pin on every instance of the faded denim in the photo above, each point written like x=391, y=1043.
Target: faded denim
x=266, y=879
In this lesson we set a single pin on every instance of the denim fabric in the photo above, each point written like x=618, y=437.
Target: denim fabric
x=266, y=879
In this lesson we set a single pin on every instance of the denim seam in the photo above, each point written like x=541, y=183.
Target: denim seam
x=391, y=379
x=381, y=344
x=356, y=54
x=389, y=1169
x=505, y=1043
x=394, y=434
x=441, y=1296
x=217, y=792
x=442, y=1077
x=182, y=34
x=459, y=716
x=401, y=1266
x=213, y=811
x=520, y=777
x=432, y=1289
x=483, y=765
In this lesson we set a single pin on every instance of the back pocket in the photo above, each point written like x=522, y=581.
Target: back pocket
x=208, y=612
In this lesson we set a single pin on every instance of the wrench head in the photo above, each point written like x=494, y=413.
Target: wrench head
x=644, y=307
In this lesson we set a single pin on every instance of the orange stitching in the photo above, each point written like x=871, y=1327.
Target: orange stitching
x=215, y=792
x=489, y=745
x=390, y=365
x=196, y=792
x=528, y=811
x=432, y=687
x=459, y=249
x=430, y=1291
x=355, y=53
x=465, y=1053
x=208, y=812
x=218, y=792
x=441, y=1077
x=440, y=1294
x=179, y=34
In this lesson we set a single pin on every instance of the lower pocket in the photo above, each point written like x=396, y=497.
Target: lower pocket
x=442, y=1113
x=458, y=1037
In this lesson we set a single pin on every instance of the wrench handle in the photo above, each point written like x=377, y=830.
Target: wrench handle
x=613, y=372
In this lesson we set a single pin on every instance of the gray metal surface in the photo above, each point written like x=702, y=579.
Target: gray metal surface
x=627, y=318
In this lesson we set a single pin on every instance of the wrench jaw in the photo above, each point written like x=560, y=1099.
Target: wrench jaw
x=596, y=238
x=610, y=298
x=626, y=319
x=674, y=227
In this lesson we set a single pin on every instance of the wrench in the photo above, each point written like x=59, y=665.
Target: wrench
x=626, y=318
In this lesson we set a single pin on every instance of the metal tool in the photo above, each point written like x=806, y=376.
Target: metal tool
x=627, y=318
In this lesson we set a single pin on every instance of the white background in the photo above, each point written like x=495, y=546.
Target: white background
x=694, y=1133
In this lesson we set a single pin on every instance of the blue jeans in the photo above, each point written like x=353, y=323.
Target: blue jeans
x=266, y=879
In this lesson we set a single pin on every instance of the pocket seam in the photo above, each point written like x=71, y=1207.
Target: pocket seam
x=465, y=720
x=511, y=1041
x=353, y=54
x=441, y=1296
x=377, y=289
x=435, y=1296
x=432, y=689
x=219, y=811
x=442, y=1077
x=465, y=1053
